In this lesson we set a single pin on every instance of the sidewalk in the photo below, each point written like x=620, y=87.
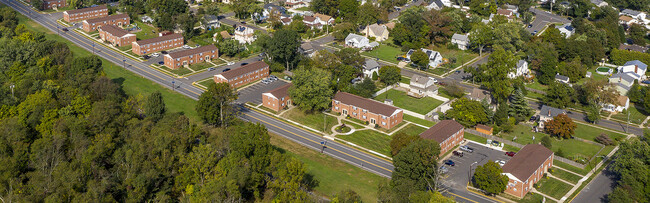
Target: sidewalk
x=577, y=185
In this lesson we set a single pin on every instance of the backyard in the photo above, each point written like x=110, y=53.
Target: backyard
x=146, y=32
x=385, y=52
x=400, y=99
x=312, y=120
x=419, y=120
x=455, y=58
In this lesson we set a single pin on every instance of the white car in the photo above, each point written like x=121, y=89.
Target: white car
x=155, y=55
x=231, y=63
x=186, y=46
x=265, y=81
x=500, y=162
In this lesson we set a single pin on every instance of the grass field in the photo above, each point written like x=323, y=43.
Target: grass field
x=570, y=177
x=331, y=174
x=571, y=168
x=400, y=99
x=536, y=85
x=418, y=120
x=147, y=31
x=314, y=120
x=510, y=148
x=636, y=115
x=572, y=148
x=411, y=129
x=533, y=198
x=405, y=80
x=353, y=124
x=475, y=138
x=131, y=83
x=553, y=187
x=385, y=52
x=590, y=133
x=370, y=139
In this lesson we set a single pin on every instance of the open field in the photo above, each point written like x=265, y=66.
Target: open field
x=314, y=120
x=572, y=178
x=572, y=149
x=400, y=99
x=370, y=139
x=419, y=121
x=385, y=52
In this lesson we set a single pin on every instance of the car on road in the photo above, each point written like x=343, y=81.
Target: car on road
x=161, y=62
x=210, y=69
x=646, y=82
x=495, y=143
x=145, y=57
x=467, y=149
x=450, y=162
x=442, y=84
x=155, y=55
x=243, y=64
x=65, y=29
x=511, y=154
x=224, y=70
x=458, y=153
x=231, y=63
x=186, y=46
x=164, y=52
x=243, y=22
x=500, y=162
x=407, y=60
x=530, y=25
x=265, y=81
x=443, y=169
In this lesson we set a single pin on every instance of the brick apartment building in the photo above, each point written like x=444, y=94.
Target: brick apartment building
x=448, y=133
x=278, y=98
x=118, y=20
x=51, y=4
x=244, y=75
x=526, y=168
x=374, y=112
x=153, y=45
x=85, y=13
x=116, y=36
x=191, y=56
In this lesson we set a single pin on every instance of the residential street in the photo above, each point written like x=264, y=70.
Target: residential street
x=598, y=188
x=542, y=18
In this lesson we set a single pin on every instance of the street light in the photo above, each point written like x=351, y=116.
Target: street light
x=12, y=86
x=173, y=81
x=124, y=60
x=469, y=173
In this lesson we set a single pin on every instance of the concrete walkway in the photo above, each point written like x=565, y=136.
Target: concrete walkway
x=644, y=122
x=544, y=195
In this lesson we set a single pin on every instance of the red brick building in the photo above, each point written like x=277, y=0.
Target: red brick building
x=118, y=20
x=85, y=13
x=116, y=36
x=526, y=168
x=51, y=4
x=374, y=112
x=244, y=75
x=448, y=133
x=153, y=45
x=278, y=98
x=191, y=56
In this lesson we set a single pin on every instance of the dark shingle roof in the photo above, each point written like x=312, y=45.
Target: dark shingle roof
x=82, y=10
x=442, y=130
x=546, y=110
x=364, y=103
x=244, y=69
x=188, y=52
x=108, y=18
x=114, y=30
x=526, y=161
x=159, y=39
x=561, y=77
x=281, y=91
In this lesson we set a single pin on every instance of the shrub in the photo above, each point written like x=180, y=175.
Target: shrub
x=374, y=76
x=605, y=140
x=560, y=152
x=547, y=142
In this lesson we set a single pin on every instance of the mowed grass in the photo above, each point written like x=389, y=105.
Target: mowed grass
x=533, y=198
x=132, y=83
x=312, y=120
x=411, y=129
x=385, y=52
x=590, y=133
x=474, y=138
x=422, y=106
x=570, y=177
x=419, y=120
x=332, y=174
x=637, y=115
x=553, y=187
x=147, y=31
x=571, y=148
x=370, y=139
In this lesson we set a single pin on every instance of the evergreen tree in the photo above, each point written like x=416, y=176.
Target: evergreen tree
x=155, y=106
x=501, y=116
x=488, y=111
x=519, y=108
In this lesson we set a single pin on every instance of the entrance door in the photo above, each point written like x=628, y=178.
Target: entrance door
x=345, y=112
x=372, y=120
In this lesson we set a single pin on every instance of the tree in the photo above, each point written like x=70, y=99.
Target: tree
x=573, y=69
x=350, y=56
x=229, y=47
x=638, y=34
x=347, y=196
x=155, y=106
x=283, y=47
x=595, y=92
x=348, y=9
x=38, y=4
x=415, y=168
x=631, y=165
x=489, y=178
x=494, y=74
x=467, y=112
x=311, y=89
x=519, y=108
x=214, y=106
x=241, y=7
x=368, y=14
x=289, y=185
x=593, y=113
x=454, y=90
x=401, y=140
x=561, y=126
x=390, y=75
x=547, y=142
x=439, y=26
x=481, y=36
x=364, y=89
x=420, y=59
x=559, y=95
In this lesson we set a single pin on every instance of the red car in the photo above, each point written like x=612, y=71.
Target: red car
x=510, y=153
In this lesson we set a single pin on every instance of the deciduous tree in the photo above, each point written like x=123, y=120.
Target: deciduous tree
x=311, y=89
x=415, y=168
x=489, y=178
x=155, y=106
x=214, y=105
x=420, y=59
x=401, y=140
x=561, y=126
x=390, y=75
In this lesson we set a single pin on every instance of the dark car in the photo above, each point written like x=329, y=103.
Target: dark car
x=146, y=57
x=163, y=52
x=533, y=119
x=442, y=84
x=161, y=62
x=530, y=25
x=210, y=69
x=224, y=70
x=243, y=64
x=399, y=58
x=243, y=22
x=457, y=153
x=65, y=29
x=450, y=162
x=510, y=153
x=646, y=82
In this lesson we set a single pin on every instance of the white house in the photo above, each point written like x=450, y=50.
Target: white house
x=370, y=67
x=436, y=4
x=435, y=58
x=272, y=8
x=296, y=3
x=521, y=69
x=422, y=86
x=548, y=113
x=636, y=69
x=324, y=19
x=638, y=15
x=566, y=29
x=312, y=22
x=358, y=41
x=462, y=41
x=622, y=103
x=210, y=22
x=379, y=32
x=562, y=78
x=244, y=34
x=599, y=3
x=146, y=19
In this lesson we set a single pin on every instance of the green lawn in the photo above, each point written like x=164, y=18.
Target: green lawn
x=536, y=85
x=510, y=148
x=200, y=66
x=179, y=71
x=443, y=93
x=570, y=177
x=455, y=58
x=304, y=8
x=370, y=139
x=400, y=99
x=411, y=129
x=405, y=80
x=313, y=120
x=331, y=174
x=636, y=115
x=131, y=83
x=385, y=52
x=419, y=120
x=553, y=187
x=147, y=31
x=594, y=75
x=206, y=83
x=590, y=133
x=582, y=171
x=475, y=138
x=573, y=149
x=533, y=198
x=353, y=124
x=125, y=48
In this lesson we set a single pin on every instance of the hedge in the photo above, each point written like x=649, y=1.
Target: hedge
x=619, y=57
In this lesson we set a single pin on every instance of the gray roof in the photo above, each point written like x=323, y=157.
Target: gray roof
x=211, y=18
x=551, y=111
x=370, y=64
x=597, y=2
x=354, y=36
x=520, y=63
x=377, y=29
x=460, y=37
x=276, y=7
x=374, y=44
x=622, y=76
x=561, y=77
x=418, y=79
x=566, y=26
x=641, y=65
x=438, y=3
x=624, y=86
x=630, y=12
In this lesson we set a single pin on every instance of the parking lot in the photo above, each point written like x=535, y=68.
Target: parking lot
x=254, y=92
x=458, y=175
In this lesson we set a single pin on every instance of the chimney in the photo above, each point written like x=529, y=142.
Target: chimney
x=549, y=113
x=636, y=69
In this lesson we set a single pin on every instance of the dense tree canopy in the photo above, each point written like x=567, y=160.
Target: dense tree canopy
x=490, y=178
x=631, y=166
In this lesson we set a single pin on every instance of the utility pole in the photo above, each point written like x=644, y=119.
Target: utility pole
x=173, y=81
x=628, y=122
x=469, y=173
x=12, y=86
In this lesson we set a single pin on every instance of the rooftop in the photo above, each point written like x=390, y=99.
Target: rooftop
x=527, y=161
x=551, y=111
x=442, y=130
x=114, y=30
x=281, y=91
x=188, y=52
x=460, y=37
x=370, y=64
x=83, y=10
x=108, y=18
x=365, y=103
x=160, y=39
x=244, y=69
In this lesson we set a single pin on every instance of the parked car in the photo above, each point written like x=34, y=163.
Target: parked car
x=155, y=54
x=533, y=119
x=161, y=62
x=467, y=149
x=224, y=70
x=210, y=69
x=500, y=162
x=231, y=63
x=262, y=54
x=243, y=22
x=273, y=78
x=186, y=46
x=442, y=84
x=443, y=169
x=145, y=57
x=399, y=58
x=163, y=52
x=458, y=153
x=450, y=162
x=510, y=154
x=646, y=82
x=287, y=78
x=407, y=60
x=495, y=143
x=530, y=25
x=243, y=64
x=265, y=81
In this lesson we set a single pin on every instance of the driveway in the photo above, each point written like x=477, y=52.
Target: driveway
x=542, y=18
x=458, y=175
x=254, y=92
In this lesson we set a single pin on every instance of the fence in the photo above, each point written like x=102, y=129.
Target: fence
x=508, y=142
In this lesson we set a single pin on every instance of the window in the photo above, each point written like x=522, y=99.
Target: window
x=337, y=102
x=365, y=111
x=383, y=117
x=354, y=113
x=354, y=108
x=337, y=108
x=364, y=117
x=383, y=123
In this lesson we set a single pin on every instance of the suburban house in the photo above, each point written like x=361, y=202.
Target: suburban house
x=448, y=133
x=379, y=32
x=324, y=19
x=633, y=47
x=270, y=9
x=622, y=82
x=244, y=34
x=462, y=41
x=360, y=42
x=371, y=111
x=306, y=49
x=116, y=36
x=436, y=5
x=157, y=44
x=224, y=35
x=526, y=168
x=627, y=21
x=243, y=75
x=286, y=21
x=312, y=22
x=484, y=129
x=638, y=15
x=636, y=69
x=599, y=3
x=480, y=95
x=187, y=57
x=507, y=13
x=566, y=29
x=548, y=113
x=421, y=86
x=513, y=8
x=85, y=13
x=146, y=19
x=278, y=98
x=296, y=3
x=435, y=58
x=210, y=22
x=370, y=67
x=622, y=103
x=562, y=78
x=117, y=19
x=520, y=70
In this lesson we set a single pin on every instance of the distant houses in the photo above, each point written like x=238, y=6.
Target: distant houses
x=243, y=75
x=521, y=70
x=370, y=67
x=547, y=113
x=157, y=44
x=567, y=30
x=379, y=32
x=244, y=34
x=562, y=78
x=627, y=74
x=435, y=58
x=85, y=13
x=462, y=41
x=359, y=42
x=119, y=20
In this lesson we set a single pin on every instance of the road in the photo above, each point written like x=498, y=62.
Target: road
x=542, y=18
x=598, y=188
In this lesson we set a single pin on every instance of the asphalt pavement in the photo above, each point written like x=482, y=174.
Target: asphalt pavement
x=542, y=18
x=598, y=189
